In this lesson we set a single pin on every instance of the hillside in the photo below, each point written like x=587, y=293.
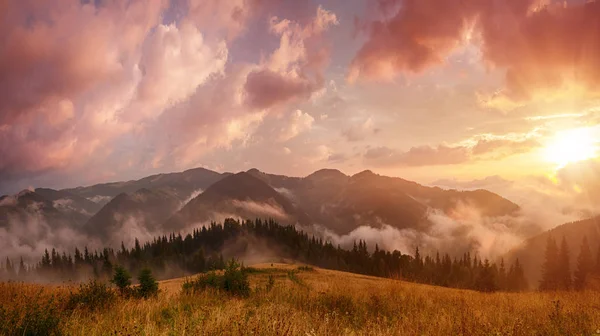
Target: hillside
x=531, y=251
x=309, y=301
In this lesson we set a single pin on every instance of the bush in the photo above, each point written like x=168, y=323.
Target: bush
x=148, y=285
x=233, y=281
x=122, y=279
x=306, y=268
x=93, y=295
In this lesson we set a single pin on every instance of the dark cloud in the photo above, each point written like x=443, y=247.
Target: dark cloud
x=266, y=88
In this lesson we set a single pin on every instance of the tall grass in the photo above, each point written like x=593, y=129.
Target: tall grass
x=327, y=303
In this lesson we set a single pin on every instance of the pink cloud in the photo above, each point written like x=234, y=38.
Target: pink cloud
x=543, y=47
x=294, y=70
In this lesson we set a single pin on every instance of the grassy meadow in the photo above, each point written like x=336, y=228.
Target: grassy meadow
x=289, y=300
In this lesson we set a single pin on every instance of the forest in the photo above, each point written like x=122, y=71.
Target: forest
x=201, y=250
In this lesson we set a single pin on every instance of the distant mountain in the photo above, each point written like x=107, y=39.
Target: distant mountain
x=343, y=203
x=531, y=252
x=240, y=195
x=181, y=185
x=69, y=202
x=136, y=215
x=31, y=207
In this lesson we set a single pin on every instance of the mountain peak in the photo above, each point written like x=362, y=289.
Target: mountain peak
x=327, y=174
x=363, y=174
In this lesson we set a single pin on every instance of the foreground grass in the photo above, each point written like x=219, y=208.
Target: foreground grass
x=320, y=302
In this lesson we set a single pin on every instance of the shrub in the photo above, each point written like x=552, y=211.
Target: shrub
x=121, y=279
x=233, y=281
x=306, y=268
x=93, y=295
x=148, y=285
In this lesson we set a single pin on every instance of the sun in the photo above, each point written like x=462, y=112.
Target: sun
x=572, y=146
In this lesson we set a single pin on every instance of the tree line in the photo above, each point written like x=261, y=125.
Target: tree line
x=556, y=269
x=200, y=251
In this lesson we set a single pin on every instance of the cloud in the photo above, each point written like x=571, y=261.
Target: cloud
x=481, y=147
x=78, y=77
x=581, y=177
x=294, y=70
x=266, y=88
x=504, y=147
x=462, y=229
x=547, y=48
x=359, y=131
x=175, y=61
x=417, y=156
x=298, y=122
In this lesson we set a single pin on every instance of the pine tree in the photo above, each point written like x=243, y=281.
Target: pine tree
x=148, y=285
x=22, y=269
x=486, y=281
x=564, y=268
x=584, y=265
x=121, y=279
x=10, y=270
x=549, y=280
x=516, y=278
x=502, y=276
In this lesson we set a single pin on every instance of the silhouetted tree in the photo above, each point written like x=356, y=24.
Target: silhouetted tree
x=585, y=265
x=564, y=268
x=550, y=267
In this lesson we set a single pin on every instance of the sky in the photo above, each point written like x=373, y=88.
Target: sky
x=461, y=93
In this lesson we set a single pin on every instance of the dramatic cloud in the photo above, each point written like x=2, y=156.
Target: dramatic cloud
x=545, y=46
x=293, y=71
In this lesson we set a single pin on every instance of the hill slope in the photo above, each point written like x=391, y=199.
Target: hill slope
x=531, y=252
x=313, y=301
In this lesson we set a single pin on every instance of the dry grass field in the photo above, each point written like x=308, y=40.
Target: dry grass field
x=305, y=302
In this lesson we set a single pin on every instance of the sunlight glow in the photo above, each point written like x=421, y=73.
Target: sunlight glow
x=572, y=146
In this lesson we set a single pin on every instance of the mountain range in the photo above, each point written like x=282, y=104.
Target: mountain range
x=328, y=199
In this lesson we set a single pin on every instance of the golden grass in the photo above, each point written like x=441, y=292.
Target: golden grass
x=323, y=302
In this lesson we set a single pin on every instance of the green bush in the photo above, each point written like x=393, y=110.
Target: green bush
x=233, y=281
x=148, y=285
x=93, y=295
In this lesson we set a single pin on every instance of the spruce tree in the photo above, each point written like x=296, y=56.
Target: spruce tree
x=584, y=265
x=121, y=279
x=519, y=277
x=564, y=268
x=549, y=280
x=148, y=285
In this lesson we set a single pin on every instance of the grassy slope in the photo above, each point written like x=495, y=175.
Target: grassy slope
x=323, y=302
